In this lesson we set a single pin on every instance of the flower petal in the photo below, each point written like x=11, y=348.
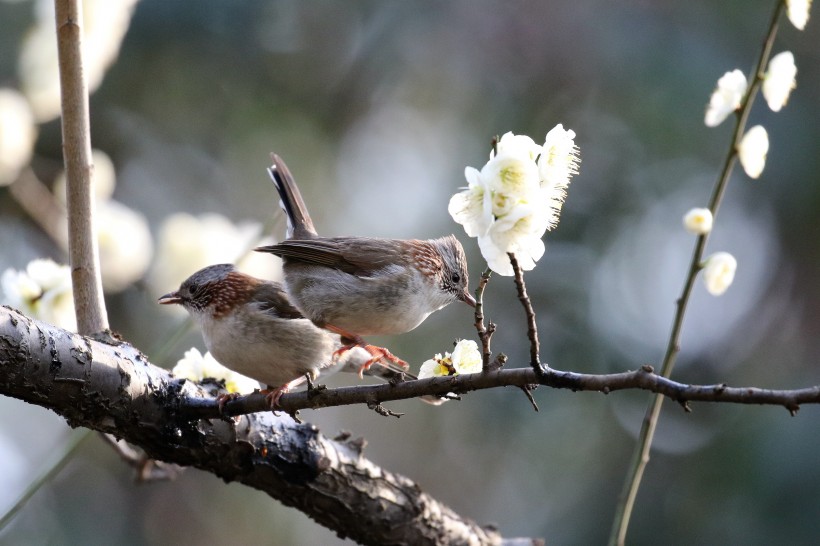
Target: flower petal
x=753, y=149
x=726, y=97
x=719, y=272
x=779, y=80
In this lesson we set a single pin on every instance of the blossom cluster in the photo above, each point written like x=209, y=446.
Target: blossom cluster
x=731, y=93
x=195, y=366
x=42, y=290
x=465, y=358
x=516, y=197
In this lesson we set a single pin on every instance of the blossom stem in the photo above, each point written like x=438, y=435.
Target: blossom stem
x=640, y=457
x=532, y=328
x=484, y=333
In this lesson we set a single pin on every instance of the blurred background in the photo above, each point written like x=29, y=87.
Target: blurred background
x=377, y=107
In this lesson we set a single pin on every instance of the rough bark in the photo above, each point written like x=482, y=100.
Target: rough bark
x=114, y=389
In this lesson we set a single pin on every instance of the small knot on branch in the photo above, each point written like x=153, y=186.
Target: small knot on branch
x=381, y=410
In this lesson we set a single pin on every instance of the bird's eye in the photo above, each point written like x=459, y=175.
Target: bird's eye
x=192, y=288
x=456, y=278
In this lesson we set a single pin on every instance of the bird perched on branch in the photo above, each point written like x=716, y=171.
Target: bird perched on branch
x=250, y=326
x=357, y=286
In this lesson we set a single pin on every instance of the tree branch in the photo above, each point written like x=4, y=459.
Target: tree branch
x=532, y=328
x=114, y=389
x=83, y=251
x=640, y=457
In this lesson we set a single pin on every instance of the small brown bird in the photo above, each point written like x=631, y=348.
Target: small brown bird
x=250, y=326
x=356, y=286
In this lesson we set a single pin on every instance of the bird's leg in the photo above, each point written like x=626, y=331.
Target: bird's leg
x=273, y=394
x=354, y=340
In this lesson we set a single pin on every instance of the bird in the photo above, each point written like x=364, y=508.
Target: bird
x=250, y=326
x=357, y=286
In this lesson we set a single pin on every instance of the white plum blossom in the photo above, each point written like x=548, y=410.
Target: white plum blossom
x=798, y=12
x=472, y=207
x=754, y=146
x=698, y=221
x=187, y=243
x=104, y=25
x=519, y=232
x=195, y=366
x=434, y=367
x=719, y=272
x=512, y=178
x=42, y=291
x=517, y=145
x=125, y=244
x=17, y=135
x=516, y=197
x=725, y=99
x=559, y=161
x=465, y=358
x=779, y=80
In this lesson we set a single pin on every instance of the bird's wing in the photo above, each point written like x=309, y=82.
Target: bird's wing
x=271, y=298
x=355, y=255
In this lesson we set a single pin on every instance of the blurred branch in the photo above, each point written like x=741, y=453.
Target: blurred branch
x=35, y=198
x=640, y=457
x=48, y=473
x=145, y=468
x=114, y=389
x=82, y=240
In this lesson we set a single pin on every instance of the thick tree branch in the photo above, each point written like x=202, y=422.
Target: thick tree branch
x=114, y=389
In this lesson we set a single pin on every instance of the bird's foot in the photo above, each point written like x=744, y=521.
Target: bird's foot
x=224, y=398
x=376, y=353
x=272, y=395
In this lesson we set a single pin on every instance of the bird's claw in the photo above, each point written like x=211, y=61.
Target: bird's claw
x=378, y=354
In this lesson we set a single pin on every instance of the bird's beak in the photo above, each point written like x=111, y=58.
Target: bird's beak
x=466, y=297
x=171, y=297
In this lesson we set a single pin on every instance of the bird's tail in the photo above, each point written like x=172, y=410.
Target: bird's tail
x=300, y=226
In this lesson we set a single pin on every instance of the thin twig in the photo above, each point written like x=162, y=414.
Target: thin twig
x=83, y=250
x=640, y=456
x=145, y=468
x=532, y=328
x=485, y=334
x=643, y=378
